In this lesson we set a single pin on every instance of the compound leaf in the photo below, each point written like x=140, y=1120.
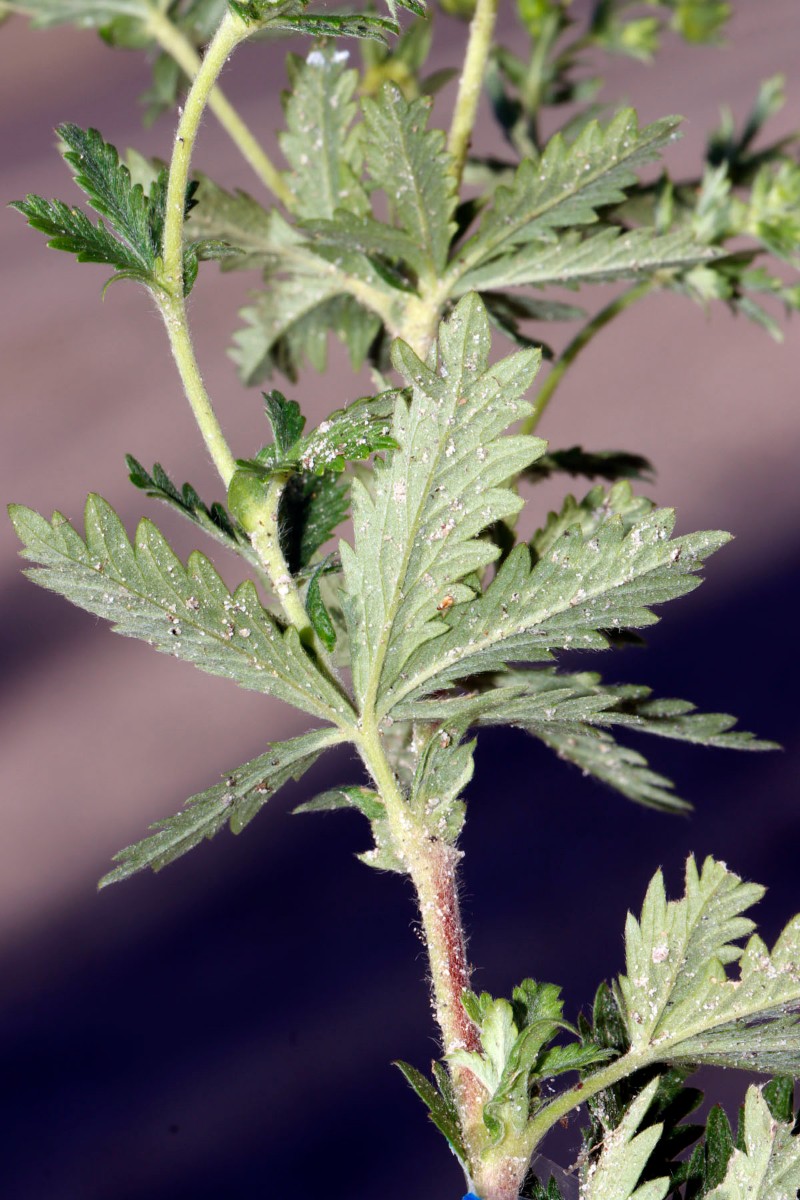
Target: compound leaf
x=234, y=801
x=567, y=185
x=186, y=611
x=415, y=533
x=583, y=586
x=677, y=999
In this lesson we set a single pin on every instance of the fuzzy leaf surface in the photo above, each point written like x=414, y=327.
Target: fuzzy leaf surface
x=320, y=144
x=582, y=586
x=415, y=533
x=567, y=185
x=603, y=257
x=132, y=240
x=624, y=1157
x=186, y=611
x=214, y=519
x=235, y=801
x=767, y=1167
x=677, y=998
x=410, y=164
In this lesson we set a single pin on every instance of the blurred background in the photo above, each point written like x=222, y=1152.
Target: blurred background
x=225, y=1029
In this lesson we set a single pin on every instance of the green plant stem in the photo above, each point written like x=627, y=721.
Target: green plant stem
x=533, y=88
x=171, y=299
x=581, y=339
x=432, y=865
x=265, y=538
x=174, y=43
x=481, y=33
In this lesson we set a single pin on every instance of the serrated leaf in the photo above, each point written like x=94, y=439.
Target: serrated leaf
x=317, y=612
x=441, y=1109
x=583, y=586
x=132, y=242
x=186, y=611
x=779, y=1095
x=312, y=507
x=320, y=144
x=365, y=235
x=515, y=1053
x=768, y=1167
x=590, y=513
x=234, y=801
x=602, y=257
x=616, y=1173
x=286, y=420
x=567, y=185
x=415, y=533
x=412, y=167
x=307, y=297
x=363, y=799
x=444, y=768
x=234, y=218
x=213, y=519
x=677, y=998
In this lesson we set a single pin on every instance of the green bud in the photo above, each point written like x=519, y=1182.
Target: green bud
x=247, y=499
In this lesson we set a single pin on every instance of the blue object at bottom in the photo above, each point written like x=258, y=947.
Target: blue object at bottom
x=471, y=1196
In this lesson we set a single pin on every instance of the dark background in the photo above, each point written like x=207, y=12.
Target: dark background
x=225, y=1029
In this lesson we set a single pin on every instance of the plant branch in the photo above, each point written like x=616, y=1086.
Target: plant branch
x=481, y=33
x=582, y=339
x=431, y=865
x=174, y=43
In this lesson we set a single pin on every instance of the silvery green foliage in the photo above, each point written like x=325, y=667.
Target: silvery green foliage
x=626, y=1150
x=680, y=1001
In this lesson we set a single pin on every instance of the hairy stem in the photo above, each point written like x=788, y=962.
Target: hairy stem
x=481, y=33
x=432, y=866
x=581, y=339
x=174, y=43
x=265, y=536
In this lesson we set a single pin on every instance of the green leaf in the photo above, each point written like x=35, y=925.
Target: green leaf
x=616, y=1173
x=590, y=514
x=602, y=257
x=444, y=768
x=234, y=218
x=132, y=244
x=768, y=1166
x=567, y=185
x=583, y=586
x=286, y=420
x=215, y=520
x=318, y=614
x=311, y=509
x=441, y=1107
x=779, y=1095
x=186, y=611
x=307, y=297
x=45, y=14
x=320, y=144
x=234, y=801
x=677, y=998
x=415, y=533
x=412, y=167
x=515, y=1053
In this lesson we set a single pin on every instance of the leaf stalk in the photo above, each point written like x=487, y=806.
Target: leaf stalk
x=481, y=34
x=179, y=48
x=578, y=343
